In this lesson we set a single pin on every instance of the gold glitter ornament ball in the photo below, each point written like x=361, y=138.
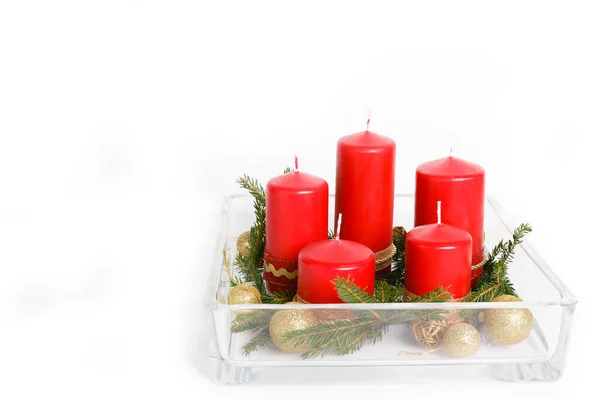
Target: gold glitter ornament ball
x=285, y=321
x=508, y=325
x=244, y=294
x=243, y=244
x=461, y=340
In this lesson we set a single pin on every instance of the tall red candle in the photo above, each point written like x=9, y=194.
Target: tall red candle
x=321, y=262
x=365, y=192
x=460, y=185
x=297, y=214
x=438, y=255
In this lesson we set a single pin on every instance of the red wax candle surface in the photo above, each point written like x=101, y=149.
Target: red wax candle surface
x=297, y=214
x=438, y=256
x=321, y=262
x=460, y=186
x=365, y=188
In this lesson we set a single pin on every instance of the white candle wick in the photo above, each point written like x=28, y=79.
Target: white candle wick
x=450, y=152
x=368, y=119
x=339, y=227
x=439, y=212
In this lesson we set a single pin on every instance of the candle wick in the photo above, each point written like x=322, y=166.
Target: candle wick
x=296, y=163
x=439, y=212
x=450, y=152
x=368, y=120
x=339, y=227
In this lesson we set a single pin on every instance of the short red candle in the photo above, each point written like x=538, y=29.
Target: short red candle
x=321, y=262
x=297, y=214
x=365, y=189
x=438, y=255
x=460, y=186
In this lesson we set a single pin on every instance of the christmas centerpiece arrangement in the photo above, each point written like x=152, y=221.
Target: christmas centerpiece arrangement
x=289, y=256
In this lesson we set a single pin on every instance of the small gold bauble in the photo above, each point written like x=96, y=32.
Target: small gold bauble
x=508, y=325
x=461, y=340
x=285, y=321
x=243, y=244
x=429, y=333
x=244, y=294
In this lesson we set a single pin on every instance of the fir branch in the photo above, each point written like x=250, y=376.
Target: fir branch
x=252, y=320
x=494, y=281
x=385, y=292
x=382, y=292
x=251, y=267
x=234, y=281
x=287, y=170
x=327, y=338
x=254, y=187
x=277, y=298
x=348, y=292
x=393, y=317
x=330, y=234
x=348, y=344
x=439, y=295
x=261, y=339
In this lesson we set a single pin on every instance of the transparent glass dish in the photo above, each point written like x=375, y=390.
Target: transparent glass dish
x=540, y=357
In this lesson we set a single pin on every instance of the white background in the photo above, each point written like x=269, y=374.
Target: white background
x=124, y=123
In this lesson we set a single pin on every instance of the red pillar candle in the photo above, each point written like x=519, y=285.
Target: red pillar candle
x=321, y=262
x=438, y=255
x=460, y=185
x=365, y=192
x=297, y=214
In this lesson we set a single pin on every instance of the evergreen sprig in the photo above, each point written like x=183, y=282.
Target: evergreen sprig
x=251, y=320
x=494, y=281
x=340, y=337
x=349, y=292
x=387, y=293
x=261, y=339
x=277, y=298
x=251, y=266
x=368, y=327
x=254, y=187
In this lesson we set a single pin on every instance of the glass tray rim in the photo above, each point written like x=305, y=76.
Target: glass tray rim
x=566, y=296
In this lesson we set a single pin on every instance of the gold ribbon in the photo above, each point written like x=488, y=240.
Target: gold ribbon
x=281, y=271
x=383, y=258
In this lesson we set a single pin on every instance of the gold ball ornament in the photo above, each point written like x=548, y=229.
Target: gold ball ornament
x=508, y=325
x=242, y=244
x=286, y=321
x=244, y=294
x=461, y=340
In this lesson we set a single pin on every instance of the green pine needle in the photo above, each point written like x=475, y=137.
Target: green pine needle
x=261, y=339
x=350, y=293
x=277, y=298
x=251, y=320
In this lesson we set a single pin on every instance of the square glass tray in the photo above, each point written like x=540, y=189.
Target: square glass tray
x=540, y=357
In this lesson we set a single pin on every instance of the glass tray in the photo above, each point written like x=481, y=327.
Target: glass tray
x=540, y=357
